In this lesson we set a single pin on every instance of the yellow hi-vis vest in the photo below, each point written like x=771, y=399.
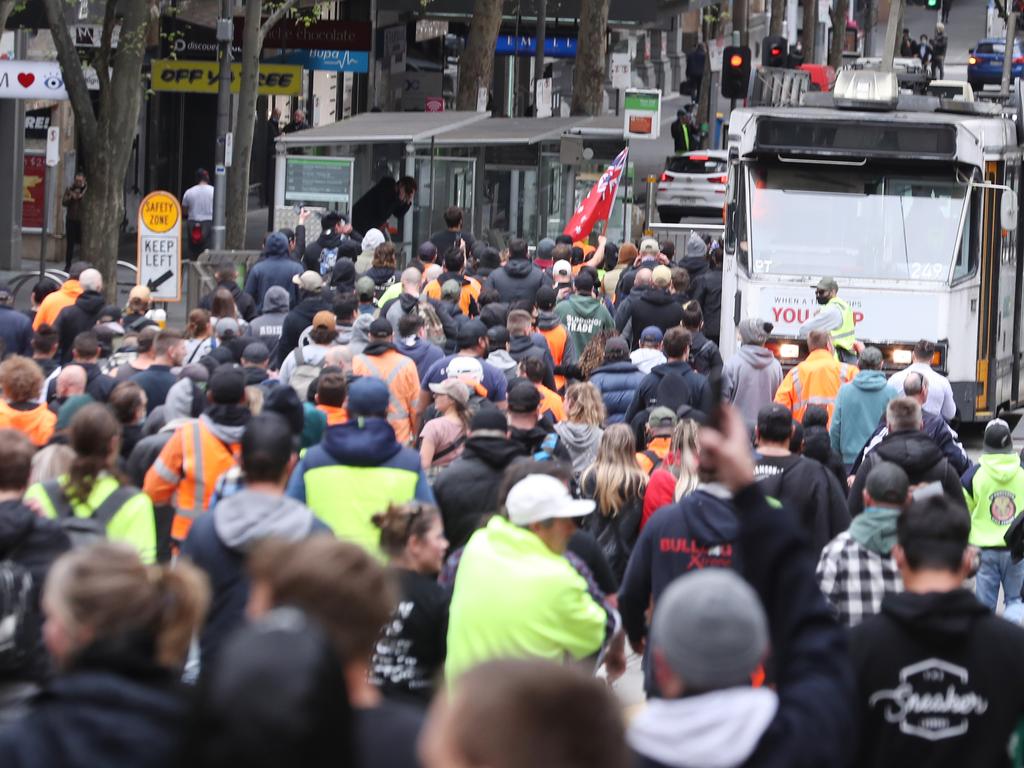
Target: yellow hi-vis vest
x=845, y=335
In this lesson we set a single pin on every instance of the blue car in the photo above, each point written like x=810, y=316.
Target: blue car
x=985, y=62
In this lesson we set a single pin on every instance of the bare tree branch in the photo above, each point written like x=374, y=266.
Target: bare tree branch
x=106, y=40
x=275, y=17
x=6, y=7
x=71, y=67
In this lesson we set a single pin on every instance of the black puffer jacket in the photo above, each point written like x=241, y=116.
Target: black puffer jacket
x=919, y=457
x=707, y=291
x=80, y=316
x=655, y=307
x=113, y=708
x=468, y=488
x=33, y=543
x=518, y=280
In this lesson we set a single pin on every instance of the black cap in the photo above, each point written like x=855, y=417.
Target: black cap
x=775, y=422
x=471, y=332
x=285, y=401
x=997, y=437
x=110, y=312
x=256, y=352
x=497, y=336
x=523, y=397
x=887, y=483
x=427, y=251
x=227, y=385
x=489, y=419
x=380, y=328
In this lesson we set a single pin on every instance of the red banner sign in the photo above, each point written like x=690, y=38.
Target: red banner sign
x=33, y=200
x=323, y=35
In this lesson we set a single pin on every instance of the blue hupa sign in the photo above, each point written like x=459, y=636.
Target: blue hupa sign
x=328, y=61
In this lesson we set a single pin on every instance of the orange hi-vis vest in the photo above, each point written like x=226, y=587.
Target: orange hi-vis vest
x=399, y=373
x=556, y=338
x=186, y=471
x=815, y=381
x=470, y=292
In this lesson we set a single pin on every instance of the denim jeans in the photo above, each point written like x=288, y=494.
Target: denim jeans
x=998, y=569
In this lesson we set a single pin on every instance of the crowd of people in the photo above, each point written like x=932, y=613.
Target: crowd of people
x=357, y=515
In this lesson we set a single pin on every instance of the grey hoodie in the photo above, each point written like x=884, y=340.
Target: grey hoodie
x=581, y=440
x=503, y=361
x=720, y=729
x=267, y=327
x=246, y=517
x=751, y=377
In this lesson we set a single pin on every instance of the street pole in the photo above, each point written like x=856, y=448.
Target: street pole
x=1011, y=34
x=538, y=56
x=225, y=33
x=44, y=236
x=892, y=31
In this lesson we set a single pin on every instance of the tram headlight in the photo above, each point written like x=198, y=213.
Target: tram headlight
x=789, y=351
x=902, y=356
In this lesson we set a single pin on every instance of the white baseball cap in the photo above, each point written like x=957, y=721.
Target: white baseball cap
x=543, y=497
x=650, y=245
x=562, y=268
x=464, y=367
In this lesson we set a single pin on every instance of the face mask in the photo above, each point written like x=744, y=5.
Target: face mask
x=823, y=298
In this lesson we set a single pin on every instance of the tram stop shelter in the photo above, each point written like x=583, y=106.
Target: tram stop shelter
x=512, y=177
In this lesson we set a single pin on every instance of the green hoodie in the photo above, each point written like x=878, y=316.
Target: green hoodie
x=583, y=316
x=875, y=529
x=995, y=496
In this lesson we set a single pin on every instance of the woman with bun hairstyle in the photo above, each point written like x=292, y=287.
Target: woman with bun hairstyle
x=118, y=632
x=409, y=656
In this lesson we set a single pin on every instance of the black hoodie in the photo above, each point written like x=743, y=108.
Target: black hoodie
x=654, y=307
x=919, y=457
x=518, y=280
x=33, y=543
x=295, y=322
x=467, y=488
x=940, y=682
x=80, y=316
x=810, y=491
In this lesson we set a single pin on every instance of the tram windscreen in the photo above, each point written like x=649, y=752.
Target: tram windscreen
x=853, y=222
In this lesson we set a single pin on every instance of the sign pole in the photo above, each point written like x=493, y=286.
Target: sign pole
x=52, y=159
x=224, y=39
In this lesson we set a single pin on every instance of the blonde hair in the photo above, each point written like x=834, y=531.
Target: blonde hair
x=583, y=404
x=106, y=589
x=684, y=452
x=615, y=474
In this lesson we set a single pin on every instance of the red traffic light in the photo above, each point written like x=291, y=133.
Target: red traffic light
x=735, y=60
x=776, y=51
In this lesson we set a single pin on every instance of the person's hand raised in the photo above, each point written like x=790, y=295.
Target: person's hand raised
x=726, y=450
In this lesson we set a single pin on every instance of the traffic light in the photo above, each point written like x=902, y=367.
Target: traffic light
x=774, y=52
x=735, y=71
x=932, y=4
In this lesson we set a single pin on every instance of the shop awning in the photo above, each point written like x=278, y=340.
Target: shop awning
x=510, y=130
x=383, y=127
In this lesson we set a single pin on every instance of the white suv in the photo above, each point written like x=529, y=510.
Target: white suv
x=693, y=184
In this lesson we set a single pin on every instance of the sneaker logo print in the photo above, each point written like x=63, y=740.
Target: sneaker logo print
x=933, y=701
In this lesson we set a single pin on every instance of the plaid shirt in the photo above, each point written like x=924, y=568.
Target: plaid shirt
x=854, y=579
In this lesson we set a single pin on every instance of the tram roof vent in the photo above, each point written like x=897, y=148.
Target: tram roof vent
x=866, y=89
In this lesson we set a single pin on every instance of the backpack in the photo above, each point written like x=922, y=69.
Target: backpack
x=304, y=373
x=655, y=460
x=328, y=256
x=18, y=627
x=83, y=531
x=700, y=359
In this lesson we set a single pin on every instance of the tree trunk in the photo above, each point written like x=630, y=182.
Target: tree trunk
x=107, y=132
x=838, y=14
x=740, y=14
x=6, y=7
x=810, y=24
x=588, y=75
x=476, y=65
x=778, y=17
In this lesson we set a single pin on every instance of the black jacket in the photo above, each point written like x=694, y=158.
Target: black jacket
x=243, y=301
x=704, y=354
x=15, y=332
x=940, y=682
x=113, y=708
x=654, y=307
x=810, y=492
x=697, y=394
x=707, y=292
x=79, y=317
x=919, y=457
x=812, y=725
x=347, y=246
x=33, y=543
x=295, y=322
x=938, y=430
x=377, y=205
x=519, y=279
x=522, y=347
x=467, y=489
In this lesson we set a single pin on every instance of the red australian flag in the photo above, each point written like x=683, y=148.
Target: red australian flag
x=597, y=205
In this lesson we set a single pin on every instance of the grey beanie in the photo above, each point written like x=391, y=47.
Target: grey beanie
x=712, y=629
x=544, y=249
x=696, y=248
x=754, y=330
